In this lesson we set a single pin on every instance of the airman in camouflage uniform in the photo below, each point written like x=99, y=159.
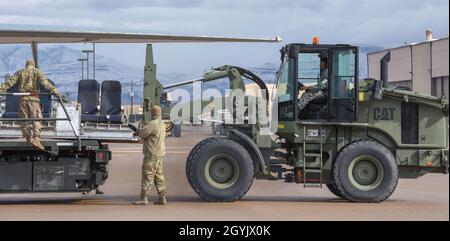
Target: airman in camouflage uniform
x=153, y=134
x=30, y=79
x=315, y=91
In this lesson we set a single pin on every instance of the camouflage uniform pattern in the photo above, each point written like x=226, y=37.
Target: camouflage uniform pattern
x=152, y=172
x=30, y=79
x=307, y=97
x=153, y=134
x=30, y=109
x=314, y=91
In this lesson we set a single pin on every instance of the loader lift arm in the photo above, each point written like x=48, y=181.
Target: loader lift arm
x=236, y=77
x=153, y=89
x=233, y=73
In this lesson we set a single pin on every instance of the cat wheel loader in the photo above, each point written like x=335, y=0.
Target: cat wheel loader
x=357, y=139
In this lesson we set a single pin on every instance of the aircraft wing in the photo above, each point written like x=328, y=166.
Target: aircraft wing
x=37, y=36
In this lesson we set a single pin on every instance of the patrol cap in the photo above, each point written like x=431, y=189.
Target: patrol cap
x=156, y=110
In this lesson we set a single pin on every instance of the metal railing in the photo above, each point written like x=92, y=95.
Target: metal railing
x=68, y=119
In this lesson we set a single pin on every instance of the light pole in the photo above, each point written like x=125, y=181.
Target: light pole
x=82, y=67
x=88, y=51
x=132, y=98
x=93, y=58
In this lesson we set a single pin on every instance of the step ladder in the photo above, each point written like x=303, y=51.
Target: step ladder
x=308, y=170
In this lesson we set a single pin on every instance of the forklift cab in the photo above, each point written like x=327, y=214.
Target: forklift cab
x=336, y=99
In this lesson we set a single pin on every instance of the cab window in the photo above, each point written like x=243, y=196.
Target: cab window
x=308, y=68
x=286, y=91
x=343, y=106
x=344, y=74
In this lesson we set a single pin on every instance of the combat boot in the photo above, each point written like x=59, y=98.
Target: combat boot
x=142, y=201
x=37, y=144
x=161, y=201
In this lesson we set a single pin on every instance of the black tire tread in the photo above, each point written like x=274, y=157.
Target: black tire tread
x=333, y=189
x=190, y=172
x=354, y=145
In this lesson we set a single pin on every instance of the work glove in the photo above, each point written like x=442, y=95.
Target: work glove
x=134, y=129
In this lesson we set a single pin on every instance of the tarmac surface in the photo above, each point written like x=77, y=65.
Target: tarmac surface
x=426, y=198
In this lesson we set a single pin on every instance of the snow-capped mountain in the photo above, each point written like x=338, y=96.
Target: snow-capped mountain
x=61, y=65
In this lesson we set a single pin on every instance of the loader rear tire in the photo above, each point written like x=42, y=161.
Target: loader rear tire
x=335, y=191
x=220, y=170
x=365, y=171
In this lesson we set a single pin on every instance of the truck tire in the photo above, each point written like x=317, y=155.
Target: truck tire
x=220, y=170
x=335, y=191
x=365, y=171
x=177, y=130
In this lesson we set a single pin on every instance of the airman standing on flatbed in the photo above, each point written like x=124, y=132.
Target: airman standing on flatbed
x=153, y=134
x=30, y=79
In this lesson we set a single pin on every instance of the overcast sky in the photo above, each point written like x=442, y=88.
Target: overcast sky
x=384, y=23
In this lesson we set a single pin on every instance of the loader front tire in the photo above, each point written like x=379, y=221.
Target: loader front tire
x=220, y=170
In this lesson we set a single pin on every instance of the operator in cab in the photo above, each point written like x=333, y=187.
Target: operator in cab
x=317, y=90
x=153, y=134
x=30, y=79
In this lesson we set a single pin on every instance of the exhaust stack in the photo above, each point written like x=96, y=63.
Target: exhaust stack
x=384, y=75
x=384, y=68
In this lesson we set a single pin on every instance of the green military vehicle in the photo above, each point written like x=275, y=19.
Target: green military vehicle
x=358, y=138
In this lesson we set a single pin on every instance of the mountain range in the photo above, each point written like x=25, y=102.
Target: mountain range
x=61, y=65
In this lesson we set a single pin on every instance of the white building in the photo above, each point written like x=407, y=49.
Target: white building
x=422, y=67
